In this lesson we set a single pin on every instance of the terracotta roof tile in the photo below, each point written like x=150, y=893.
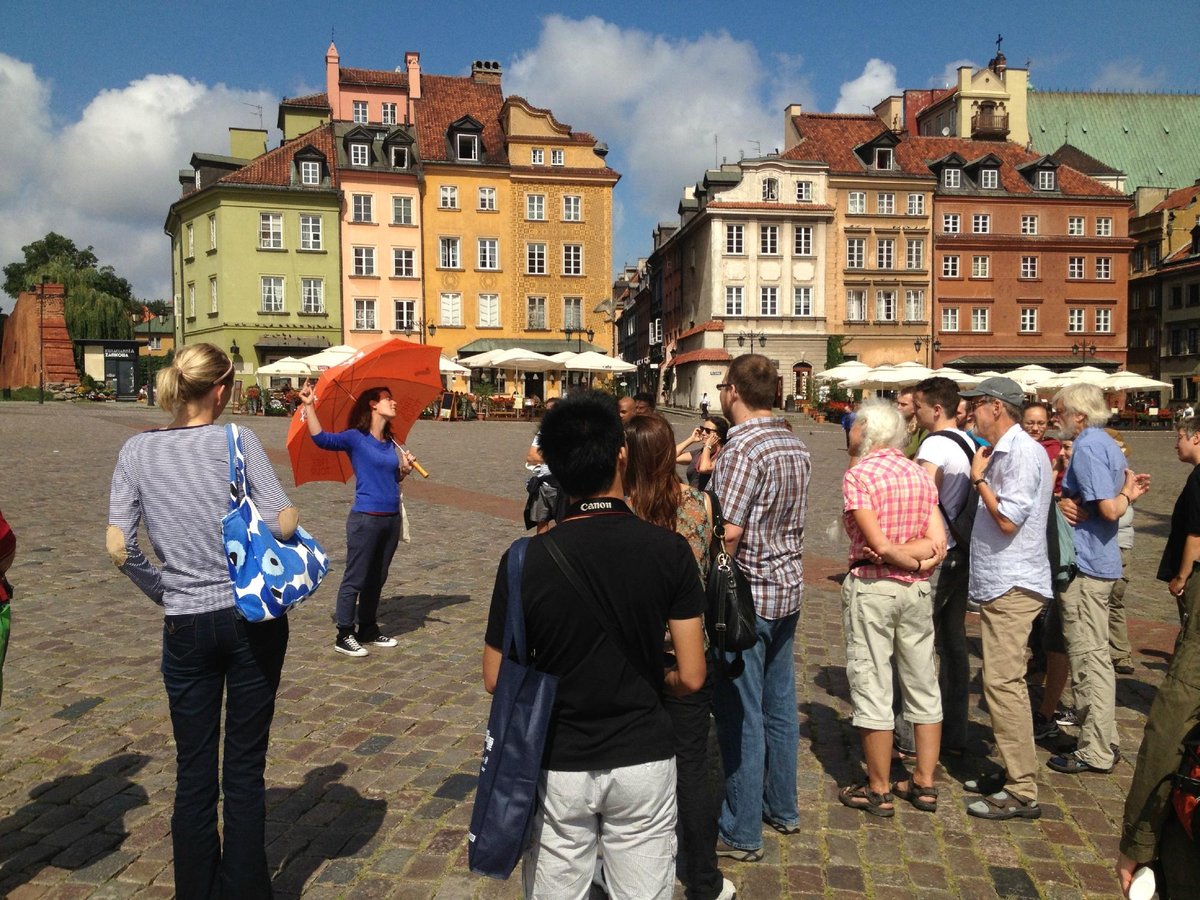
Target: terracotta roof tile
x=317, y=101
x=1179, y=199
x=763, y=204
x=374, y=78
x=447, y=98
x=710, y=354
x=275, y=166
x=710, y=325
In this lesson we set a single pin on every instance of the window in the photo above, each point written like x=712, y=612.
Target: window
x=272, y=294
x=489, y=310
x=557, y=158
x=1074, y=267
x=212, y=294
x=154, y=342
x=573, y=312
x=364, y=260
x=467, y=147
x=1152, y=255
x=1103, y=268
x=487, y=198
x=916, y=204
x=535, y=313
x=399, y=157
x=310, y=172
x=404, y=263
x=212, y=232
x=885, y=253
x=404, y=315
x=191, y=240
x=270, y=231
x=191, y=290
x=1045, y=180
x=980, y=319
x=1029, y=224
x=310, y=233
x=989, y=179
x=535, y=207
x=951, y=223
x=488, y=256
x=950, y=318
x=363, y=208
x=804, y=192
x=949, y=266
x=1029, y=318
x=1103, y=321
x=1177, y=297
x=981, y=267
x=883, y=158
x=914, y=253
x=1104, y=226
x=885, y=204
x=1193, y=291
x=733, y=238
x=572, y=208
x=402, y=211
x=1135, y=298
x=537, y=156
x=448, y=257
x=951, y=178
x=1029, y=267
x=981, y=224
x=770, y=189
x=768, y=301
x=802, y=301
x=856, y=251
x=768, y=240
x=312, y=295
x=885, y=306
x=803, y=241
x=451, y=308
x=1075, y=225
x=914, y=306
x=733, y=300
x=388, y=116
x=1075, y=320
x=1137, y=258
x=1135, y=337
x=448, y=197
x=535, y=259
x=572, y=259
x=360, y=112
x=856, y=306
x=857, y=203
x=364, y=315
x=360, y=155
x=1175, y=341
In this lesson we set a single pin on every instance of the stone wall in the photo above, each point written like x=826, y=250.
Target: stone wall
x=20, y=356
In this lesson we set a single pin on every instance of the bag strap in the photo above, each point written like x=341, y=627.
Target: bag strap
x=237, y=470
x=598, y=613
x=514, y=621
x=716, y=543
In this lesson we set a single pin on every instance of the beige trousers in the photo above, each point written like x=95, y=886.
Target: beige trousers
x=1093, y=682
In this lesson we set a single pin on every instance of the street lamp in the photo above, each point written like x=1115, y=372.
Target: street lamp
x=932, y=343
x=418, y=326
x=162, y=320
x=42, y=340
x=234, y=349
x=752, y=336
x=579, y=333
x=1083, y=349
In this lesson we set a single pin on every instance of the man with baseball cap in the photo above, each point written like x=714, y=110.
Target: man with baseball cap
x=1010, y=579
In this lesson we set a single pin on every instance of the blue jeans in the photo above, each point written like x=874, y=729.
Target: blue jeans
x=759, y=730
x=208, y=659
x=370, y=545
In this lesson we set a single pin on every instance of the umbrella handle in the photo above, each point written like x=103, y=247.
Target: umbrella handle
x=417, y=467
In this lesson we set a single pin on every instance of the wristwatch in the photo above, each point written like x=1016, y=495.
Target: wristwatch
x=978, y=481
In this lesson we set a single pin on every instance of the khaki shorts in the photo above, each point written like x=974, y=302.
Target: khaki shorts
x=882, y=618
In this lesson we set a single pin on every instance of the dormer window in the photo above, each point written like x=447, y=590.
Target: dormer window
x=311, y=168
x=360, y=112
x=770, y=189
x=1045, y=180
x=951, y=178
x=360, y=154
x=989, y=179
x=883, y=158
x=310, y=172
x=399, y=157
x=467, y=147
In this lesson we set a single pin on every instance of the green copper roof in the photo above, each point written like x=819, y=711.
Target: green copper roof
x=1152, y=138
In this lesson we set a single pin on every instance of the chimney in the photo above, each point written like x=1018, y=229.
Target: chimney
x=247, y=143
x=486, y=71
x=791, y=137
x=890, y=111
x=412, y=62
x=333, y=77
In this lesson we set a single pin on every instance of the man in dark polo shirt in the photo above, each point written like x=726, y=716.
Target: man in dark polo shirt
x=608, y=776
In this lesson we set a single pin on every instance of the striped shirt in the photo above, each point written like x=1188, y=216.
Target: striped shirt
x=761, y=478
x=177, y=480
x=900, y=493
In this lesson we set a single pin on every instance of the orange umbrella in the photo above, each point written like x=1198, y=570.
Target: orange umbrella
x=409, y=371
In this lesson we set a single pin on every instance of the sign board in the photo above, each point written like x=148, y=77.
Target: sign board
x=446, y=407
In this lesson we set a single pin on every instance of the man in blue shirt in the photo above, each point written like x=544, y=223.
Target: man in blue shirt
x=1099, y=489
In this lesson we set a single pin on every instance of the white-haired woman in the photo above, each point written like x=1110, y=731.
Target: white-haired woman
x=212, y=658
x=896, y=539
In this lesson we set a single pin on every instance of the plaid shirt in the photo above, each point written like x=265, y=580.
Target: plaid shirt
x=761, y=479
x=900, y=493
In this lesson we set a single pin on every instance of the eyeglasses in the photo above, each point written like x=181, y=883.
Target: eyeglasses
x=982, y=401
x=724, y=385
x=708, y=430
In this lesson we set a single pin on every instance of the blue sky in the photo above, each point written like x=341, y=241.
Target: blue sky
x=102, y=104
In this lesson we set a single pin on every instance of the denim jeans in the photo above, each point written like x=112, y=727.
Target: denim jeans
x=759, y=730
x=210, y=659
x=370, y=545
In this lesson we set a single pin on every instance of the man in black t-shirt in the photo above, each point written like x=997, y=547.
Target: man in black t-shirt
x=1183, y=543
x=608, y=770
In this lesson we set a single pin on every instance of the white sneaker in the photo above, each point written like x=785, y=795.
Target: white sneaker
x=382, y=641
x=728, y=891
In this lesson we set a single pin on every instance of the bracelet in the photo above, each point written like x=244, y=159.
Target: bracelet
x=1127, y=497
x=978, y=481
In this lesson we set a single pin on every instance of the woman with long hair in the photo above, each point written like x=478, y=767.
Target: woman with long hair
x=212, y=659
x=657, y=495
x=373, y=527
x=710, y=434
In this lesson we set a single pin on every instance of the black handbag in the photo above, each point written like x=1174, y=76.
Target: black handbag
x=507, y=794
x=729, y=617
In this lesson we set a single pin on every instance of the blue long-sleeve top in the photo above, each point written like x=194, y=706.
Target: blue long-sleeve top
x=376, y=469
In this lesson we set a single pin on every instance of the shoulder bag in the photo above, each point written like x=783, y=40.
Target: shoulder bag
x=269, y=576
x=730, y=617
x=507, y=794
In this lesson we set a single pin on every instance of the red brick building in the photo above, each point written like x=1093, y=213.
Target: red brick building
x=25, y=334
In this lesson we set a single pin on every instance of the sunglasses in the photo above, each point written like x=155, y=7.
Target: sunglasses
x=708, y=430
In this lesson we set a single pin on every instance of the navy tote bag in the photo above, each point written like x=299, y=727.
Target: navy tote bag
x=507, y=794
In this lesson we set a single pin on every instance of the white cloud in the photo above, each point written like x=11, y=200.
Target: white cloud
x=949, y=75
x=1128, y=75
x=861, y=95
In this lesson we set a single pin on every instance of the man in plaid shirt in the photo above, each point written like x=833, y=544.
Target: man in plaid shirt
x=897, y=538
x=761, y=479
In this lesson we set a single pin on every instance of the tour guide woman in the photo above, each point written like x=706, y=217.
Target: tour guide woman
x=373, y=528
x=211, y=656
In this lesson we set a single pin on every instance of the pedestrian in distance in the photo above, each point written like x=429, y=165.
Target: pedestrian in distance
x=374, y=524
x=213, y=660
x=704, y=405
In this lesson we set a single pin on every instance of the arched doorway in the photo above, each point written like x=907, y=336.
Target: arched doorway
x=802, y=377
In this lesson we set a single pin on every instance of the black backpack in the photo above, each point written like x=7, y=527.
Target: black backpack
x=963, y=524
x=552, y=495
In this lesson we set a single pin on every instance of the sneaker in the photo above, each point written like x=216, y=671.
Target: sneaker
x=380, y=641
x=1043, y=728
x=728, y=891
x=1068, y=716
x=349, y=645
x=1071, y=764
x=781, y=828
x=723, y=849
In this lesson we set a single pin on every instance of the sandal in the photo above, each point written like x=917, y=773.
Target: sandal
x=861, y=797
x=1004, y=805
x=922, y=797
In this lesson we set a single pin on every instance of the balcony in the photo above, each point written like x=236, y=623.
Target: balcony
x=989, y=126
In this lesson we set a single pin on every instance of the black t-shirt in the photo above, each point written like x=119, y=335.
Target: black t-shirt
x=1185, y=520
x=606, y=714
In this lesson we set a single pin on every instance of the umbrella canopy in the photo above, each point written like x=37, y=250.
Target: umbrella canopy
x=409, y=371
x=962, y=379
x=485, y=360
x=591, y=361
x=888, y=377
x=523, y=361
x=449, y=367
x=981, y=376
x=289, y=365
x=1132, y=381
x=1080, y=374
x=1030, y=376
x=846, y=371
x=330, y=356
x=563, y=356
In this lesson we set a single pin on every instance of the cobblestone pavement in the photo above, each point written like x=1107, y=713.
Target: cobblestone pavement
x=373, y=761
